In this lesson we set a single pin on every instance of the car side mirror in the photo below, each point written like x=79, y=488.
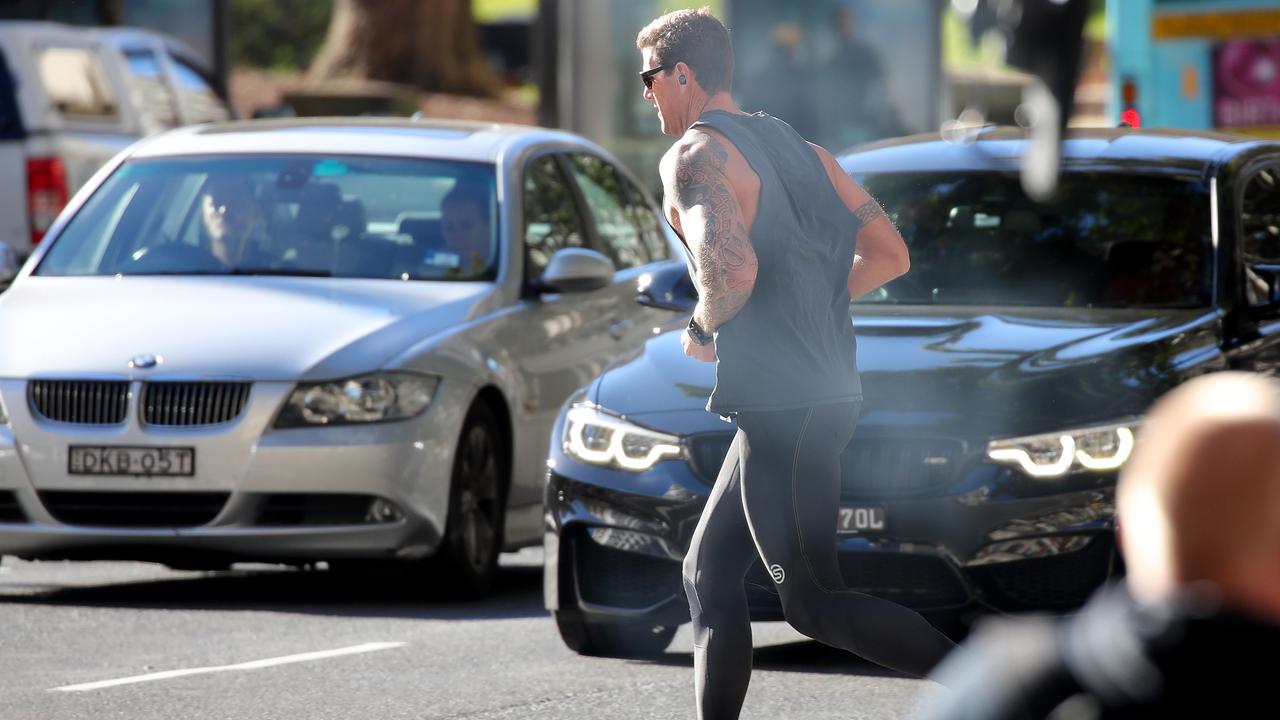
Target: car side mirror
x=668, y=288
x=576, y=270
x=9, y=264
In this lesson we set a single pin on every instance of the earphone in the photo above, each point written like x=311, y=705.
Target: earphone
x=682, y=80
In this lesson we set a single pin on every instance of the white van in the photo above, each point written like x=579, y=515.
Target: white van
x=70, y=99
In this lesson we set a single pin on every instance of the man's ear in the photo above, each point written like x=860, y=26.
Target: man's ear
x=684, y=74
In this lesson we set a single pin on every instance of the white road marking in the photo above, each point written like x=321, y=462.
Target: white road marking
x=251, y=665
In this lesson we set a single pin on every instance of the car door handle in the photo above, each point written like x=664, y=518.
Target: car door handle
x=619, y=329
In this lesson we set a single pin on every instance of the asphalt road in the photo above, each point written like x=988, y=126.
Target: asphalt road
x=139, y=641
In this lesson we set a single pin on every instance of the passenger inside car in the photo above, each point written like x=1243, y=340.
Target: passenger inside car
x=464, y=223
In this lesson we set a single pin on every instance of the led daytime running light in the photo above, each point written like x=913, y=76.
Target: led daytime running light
x=1029, y=453
x=1034, y=469
x=615, y=454
x=1115, y=461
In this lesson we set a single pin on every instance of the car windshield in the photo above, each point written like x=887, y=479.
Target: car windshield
x=1106, y=240
x=305, y=215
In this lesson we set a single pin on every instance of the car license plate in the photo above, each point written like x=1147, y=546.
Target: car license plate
x=150, y=461
x=861, y=520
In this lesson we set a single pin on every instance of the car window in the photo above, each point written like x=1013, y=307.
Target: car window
x=650, y=224
x=76, y=83
x=199, y=98
x=339, y=216
x=157, y=99
x=611, y=209
x=1106, y=239
x=551, y=220
x=1260, y=234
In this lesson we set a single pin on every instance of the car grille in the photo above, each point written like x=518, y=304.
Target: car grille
x=193, y=403
x=10, y=511
x=871, y=467
x=134, y=509
x=84, y=402
x=1055, y=582
x=620, y=579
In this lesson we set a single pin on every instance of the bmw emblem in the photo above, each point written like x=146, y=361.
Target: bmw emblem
x=144, y=362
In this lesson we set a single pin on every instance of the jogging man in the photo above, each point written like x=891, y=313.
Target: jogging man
x=770, y=223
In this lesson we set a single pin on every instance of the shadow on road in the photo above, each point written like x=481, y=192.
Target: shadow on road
x=800, y=657
x=517, y=594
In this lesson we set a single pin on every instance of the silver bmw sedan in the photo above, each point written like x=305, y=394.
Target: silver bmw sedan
x=329, y=340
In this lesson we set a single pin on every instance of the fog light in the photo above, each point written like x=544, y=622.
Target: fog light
x=383, y=511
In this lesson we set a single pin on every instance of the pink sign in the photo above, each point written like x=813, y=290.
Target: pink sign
x=1246, y=87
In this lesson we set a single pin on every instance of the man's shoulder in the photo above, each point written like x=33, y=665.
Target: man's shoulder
x=697, y=146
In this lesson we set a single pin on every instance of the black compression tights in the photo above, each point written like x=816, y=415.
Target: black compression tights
x=778, y=495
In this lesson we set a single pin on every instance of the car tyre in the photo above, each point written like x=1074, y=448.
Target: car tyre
x=468, y=557
x=613, y=640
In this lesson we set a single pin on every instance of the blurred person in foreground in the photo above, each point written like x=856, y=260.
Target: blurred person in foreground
x=780, y=239
x=1194, y=628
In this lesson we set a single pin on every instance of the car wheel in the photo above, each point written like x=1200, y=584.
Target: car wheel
x=477, y=507
x=615, y=640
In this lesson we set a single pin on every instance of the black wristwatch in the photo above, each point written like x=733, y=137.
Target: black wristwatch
x=700, y=336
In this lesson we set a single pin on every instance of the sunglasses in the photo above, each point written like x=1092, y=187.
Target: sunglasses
x=647, y=76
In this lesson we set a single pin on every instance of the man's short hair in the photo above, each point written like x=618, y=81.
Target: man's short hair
x=696, y=38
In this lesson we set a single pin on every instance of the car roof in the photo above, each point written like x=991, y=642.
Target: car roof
x=398, y=137
x=998, y=148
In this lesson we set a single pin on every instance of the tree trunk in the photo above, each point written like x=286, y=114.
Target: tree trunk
x=430, y=44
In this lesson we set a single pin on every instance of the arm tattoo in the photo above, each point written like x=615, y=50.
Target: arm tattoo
x=712, y=223
x=868, y=211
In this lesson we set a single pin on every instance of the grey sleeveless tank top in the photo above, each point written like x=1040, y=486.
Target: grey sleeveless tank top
x=792, y=344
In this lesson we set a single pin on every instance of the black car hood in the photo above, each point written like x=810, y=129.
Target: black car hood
x=978, y=371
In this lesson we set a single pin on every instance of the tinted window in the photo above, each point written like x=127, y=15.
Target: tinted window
x=551, y=220
x=309, y=215
x=1260, y=233
x=199, y=98
x=157, y=100
x=1106, y=240
x=611, y=209
x=75, y=82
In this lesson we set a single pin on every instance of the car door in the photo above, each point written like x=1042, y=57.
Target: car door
x=1257, y=223
x=627, y=229
x=557, y=342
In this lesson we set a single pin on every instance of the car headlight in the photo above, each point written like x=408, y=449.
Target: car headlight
x=1101, y=448
x=363, y=399
x=600, y=439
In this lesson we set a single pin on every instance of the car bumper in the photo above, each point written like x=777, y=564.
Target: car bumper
x=302, y=494
x=615, y=541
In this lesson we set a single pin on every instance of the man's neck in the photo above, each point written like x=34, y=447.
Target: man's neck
x=718, y=101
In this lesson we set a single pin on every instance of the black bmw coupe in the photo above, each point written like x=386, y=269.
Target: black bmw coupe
x=1005, y=378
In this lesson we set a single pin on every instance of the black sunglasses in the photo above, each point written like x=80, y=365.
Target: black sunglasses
x=647, y=76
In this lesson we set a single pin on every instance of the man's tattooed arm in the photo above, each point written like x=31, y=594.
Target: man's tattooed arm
x=693, y=175
x=869, y=211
